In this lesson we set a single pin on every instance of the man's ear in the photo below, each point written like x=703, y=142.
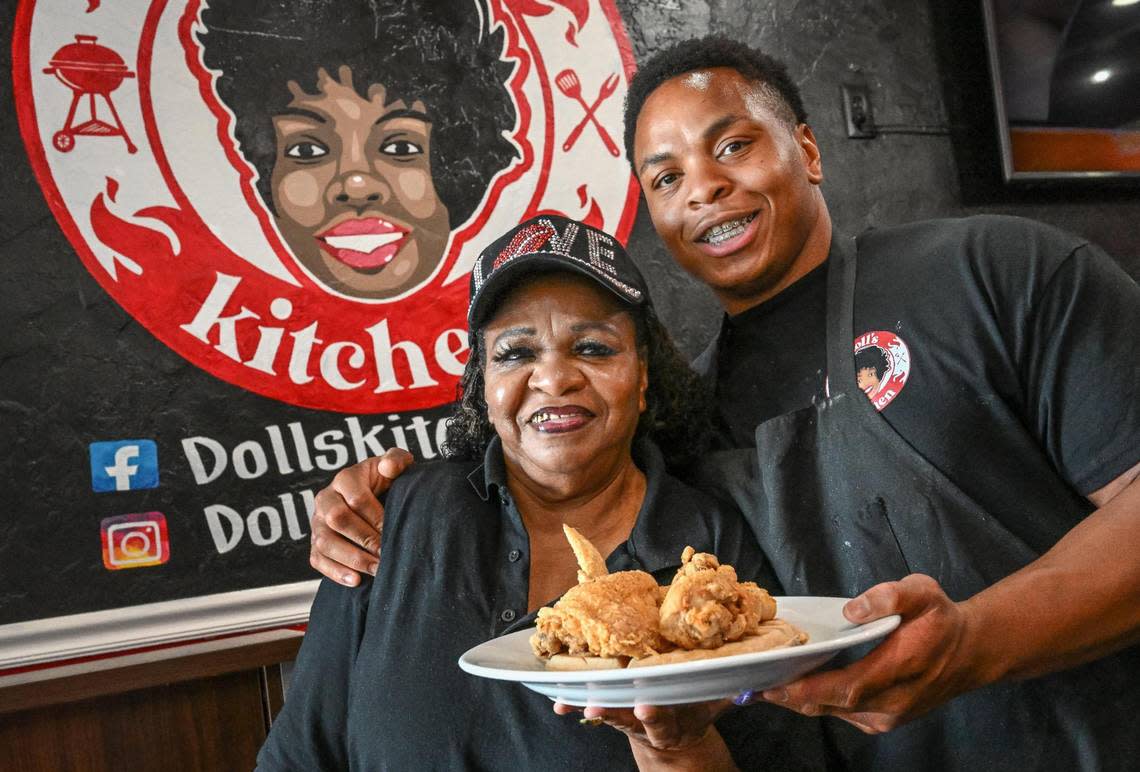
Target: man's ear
x=809, y=149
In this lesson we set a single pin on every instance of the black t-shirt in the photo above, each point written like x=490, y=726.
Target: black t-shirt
x=999, y=348
x=377, y=685
x=772, y=359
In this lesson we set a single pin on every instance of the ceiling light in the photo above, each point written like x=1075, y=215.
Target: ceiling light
x=1100, y=76
x=1124, y=2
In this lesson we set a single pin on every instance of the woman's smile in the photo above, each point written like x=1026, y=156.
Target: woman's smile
x=558, y=420
x=367, y=243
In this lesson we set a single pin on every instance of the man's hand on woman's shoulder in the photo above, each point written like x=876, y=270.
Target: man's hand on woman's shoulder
x=348, y=518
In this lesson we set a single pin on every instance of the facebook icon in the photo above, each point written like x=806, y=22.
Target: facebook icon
x=124, y=465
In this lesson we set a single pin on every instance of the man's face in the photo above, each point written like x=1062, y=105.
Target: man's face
x=732, y=187
x=353, y=189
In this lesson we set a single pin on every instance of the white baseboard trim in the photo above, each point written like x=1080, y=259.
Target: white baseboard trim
x=103, y=632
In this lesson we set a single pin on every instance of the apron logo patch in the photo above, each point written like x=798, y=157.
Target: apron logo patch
x=882, y=365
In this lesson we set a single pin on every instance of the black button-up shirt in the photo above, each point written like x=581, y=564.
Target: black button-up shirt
x=377, y=684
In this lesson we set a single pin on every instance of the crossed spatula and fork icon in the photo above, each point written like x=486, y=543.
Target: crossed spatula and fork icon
x=569, y=84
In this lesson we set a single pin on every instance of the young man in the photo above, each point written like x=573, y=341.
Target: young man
x=988, y=494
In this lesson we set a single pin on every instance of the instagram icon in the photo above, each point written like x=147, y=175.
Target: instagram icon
x=134, y=541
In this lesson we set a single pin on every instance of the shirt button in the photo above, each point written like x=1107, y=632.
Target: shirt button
x=508, y=615
x=514, y=556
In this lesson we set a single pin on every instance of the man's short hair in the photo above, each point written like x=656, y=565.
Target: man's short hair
x=702, y=54
x=437, y=51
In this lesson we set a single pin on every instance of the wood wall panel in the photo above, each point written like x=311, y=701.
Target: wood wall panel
x=209, y=724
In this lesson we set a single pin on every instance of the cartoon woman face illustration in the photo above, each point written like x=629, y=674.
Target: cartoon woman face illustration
x=375, y=128
x=870, y=367
x=353, y=188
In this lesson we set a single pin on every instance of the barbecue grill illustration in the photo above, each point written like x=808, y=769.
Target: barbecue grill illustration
x=89, y=70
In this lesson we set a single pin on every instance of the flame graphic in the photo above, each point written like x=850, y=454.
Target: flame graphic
x=579, y=9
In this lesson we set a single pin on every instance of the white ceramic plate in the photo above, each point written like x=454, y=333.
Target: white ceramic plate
x=510, y=658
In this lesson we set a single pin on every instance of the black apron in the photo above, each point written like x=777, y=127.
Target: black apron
x=844, y=503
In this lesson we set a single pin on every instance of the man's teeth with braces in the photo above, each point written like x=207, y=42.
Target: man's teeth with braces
x=727, y=230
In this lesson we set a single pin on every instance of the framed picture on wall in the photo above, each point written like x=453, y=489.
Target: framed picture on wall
x=1066, y=84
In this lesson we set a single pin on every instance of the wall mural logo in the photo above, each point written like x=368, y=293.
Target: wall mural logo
x=291, y=194
x=882, y=365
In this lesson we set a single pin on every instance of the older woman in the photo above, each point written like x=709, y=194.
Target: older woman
x=571, y=393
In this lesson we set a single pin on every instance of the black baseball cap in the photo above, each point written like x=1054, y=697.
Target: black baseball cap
x=550, y=243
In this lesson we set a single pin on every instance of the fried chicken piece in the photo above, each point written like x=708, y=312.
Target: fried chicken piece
x=591, y=564
x=610, y=616
x=605, y=615
x=707, y=607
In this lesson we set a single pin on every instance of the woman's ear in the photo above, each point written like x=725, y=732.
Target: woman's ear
x=643, y=384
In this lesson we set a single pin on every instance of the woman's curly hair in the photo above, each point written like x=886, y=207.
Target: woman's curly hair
x=442, y=52
x=678, y=404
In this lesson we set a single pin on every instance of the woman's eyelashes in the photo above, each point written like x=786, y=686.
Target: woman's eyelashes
x=306, y=150
x=510, y=353
x=588, y=349
x=401, y=148
x=593, y=348
x=312, y=150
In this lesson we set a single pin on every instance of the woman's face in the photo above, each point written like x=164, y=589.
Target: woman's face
x=353, y=189
x=564, y=380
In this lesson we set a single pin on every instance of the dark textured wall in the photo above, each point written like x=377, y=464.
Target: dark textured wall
x=925, y=66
